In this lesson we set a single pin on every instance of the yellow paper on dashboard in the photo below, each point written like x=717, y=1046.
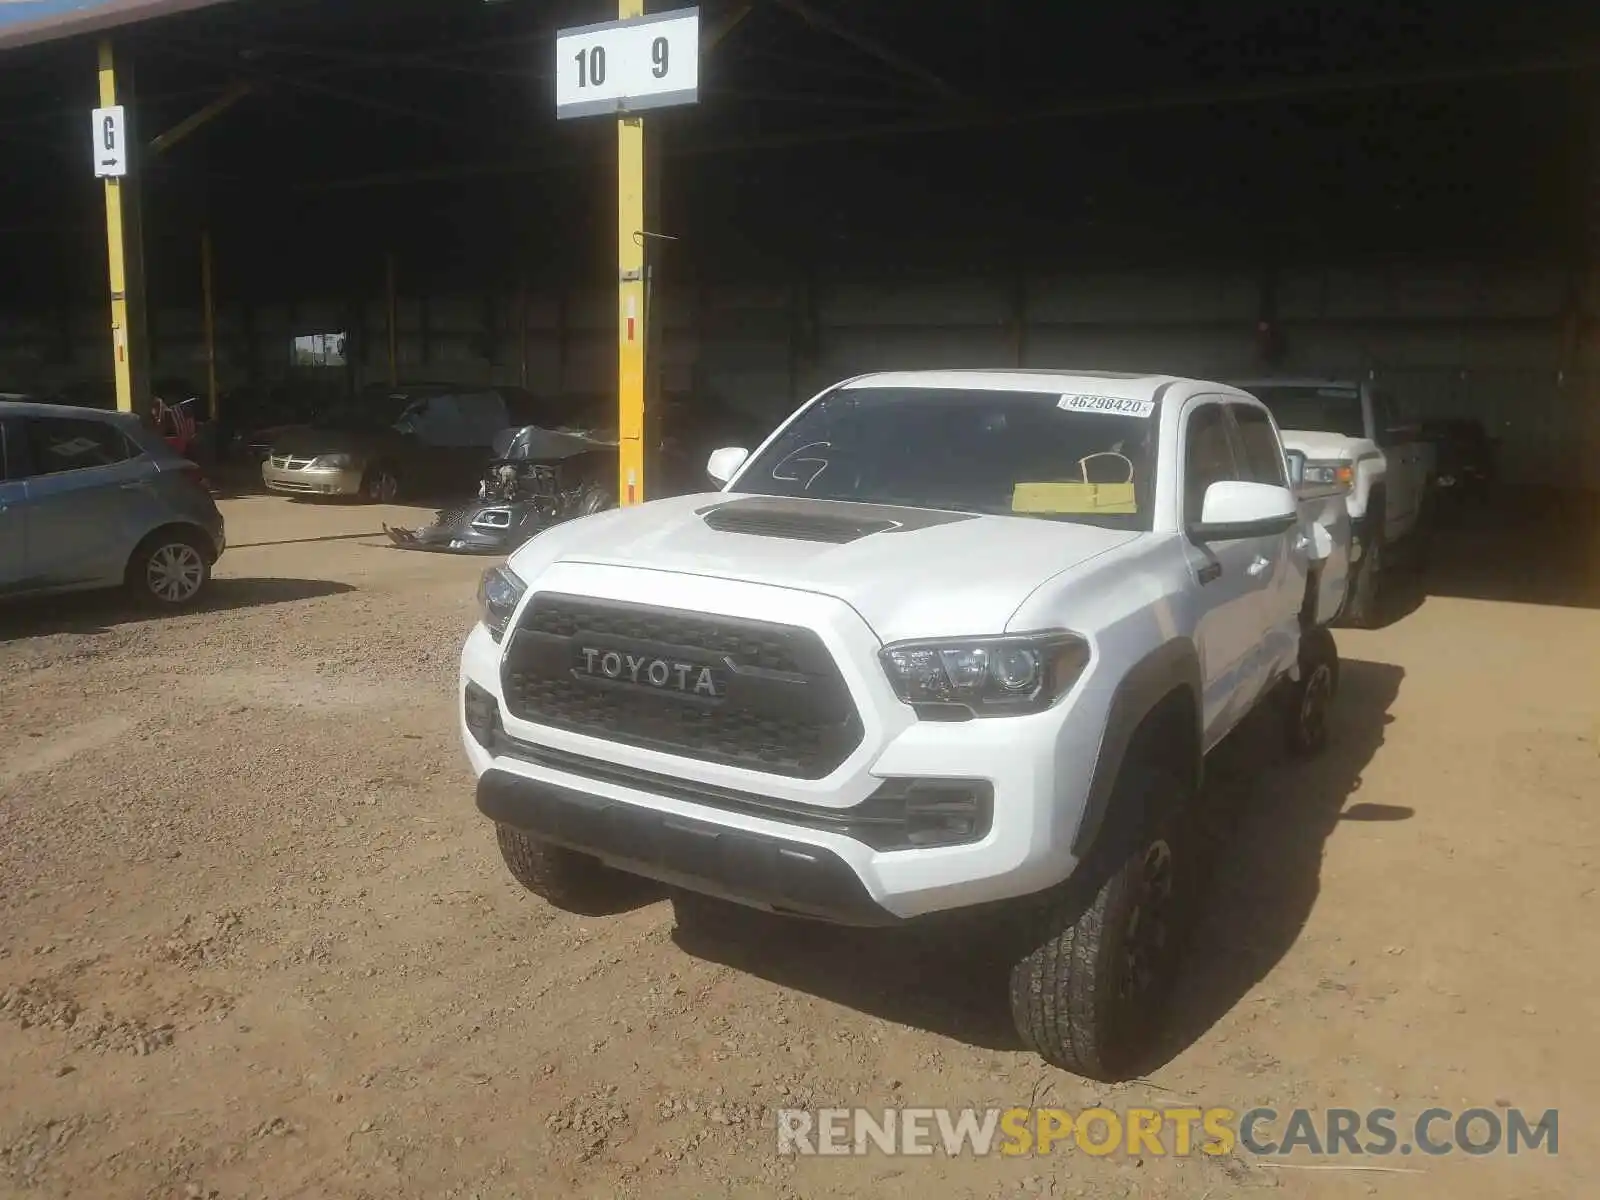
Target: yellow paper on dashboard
x=1073, y=498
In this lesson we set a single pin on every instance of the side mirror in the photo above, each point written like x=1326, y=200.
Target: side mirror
x=724, y=464
x=1234, y=510
x=1297, y=467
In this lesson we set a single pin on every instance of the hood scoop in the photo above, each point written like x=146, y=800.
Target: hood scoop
x=798, y=521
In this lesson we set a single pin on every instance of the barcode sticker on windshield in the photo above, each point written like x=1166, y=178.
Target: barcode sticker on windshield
x=1120, y=406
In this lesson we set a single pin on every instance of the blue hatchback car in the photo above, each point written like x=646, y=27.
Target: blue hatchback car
x=92, y=499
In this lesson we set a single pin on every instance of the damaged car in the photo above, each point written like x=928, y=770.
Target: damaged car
x=542, y=475
x=537, y=478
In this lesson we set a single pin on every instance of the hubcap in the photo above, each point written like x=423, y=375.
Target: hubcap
x=1145, y=940
x=175, y=572
x=1314, y=704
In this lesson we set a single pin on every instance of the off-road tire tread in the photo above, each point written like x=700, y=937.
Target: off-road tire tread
x=1061, y=995
x=1052, y=993
x=568, y=880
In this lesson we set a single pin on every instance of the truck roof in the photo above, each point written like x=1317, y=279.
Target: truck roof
x=1131, y=384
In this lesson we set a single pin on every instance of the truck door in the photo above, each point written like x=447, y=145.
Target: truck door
x=1403, y=458
x=1232, y=578
x=1288, y=555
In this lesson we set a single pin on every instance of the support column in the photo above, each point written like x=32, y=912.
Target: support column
x=130, y=348
x=630, y=296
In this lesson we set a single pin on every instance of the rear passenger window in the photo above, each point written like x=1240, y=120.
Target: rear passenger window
x=1208, y=458
x=62, y=444
x=1263, y=456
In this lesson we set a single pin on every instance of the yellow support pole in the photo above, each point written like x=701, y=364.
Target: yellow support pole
x=209, y=296
x=116, y=251
x=630, y=296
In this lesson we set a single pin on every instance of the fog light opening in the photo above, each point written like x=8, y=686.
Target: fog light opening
x=482, y=715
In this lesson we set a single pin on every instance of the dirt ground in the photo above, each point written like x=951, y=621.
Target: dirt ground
x=255, y=941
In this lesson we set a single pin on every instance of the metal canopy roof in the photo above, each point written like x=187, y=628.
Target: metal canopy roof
x=24, y=22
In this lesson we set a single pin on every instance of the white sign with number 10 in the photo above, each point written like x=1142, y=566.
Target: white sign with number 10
x=628, y=66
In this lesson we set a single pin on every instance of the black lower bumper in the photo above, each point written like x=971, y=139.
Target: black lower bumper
x=454, y=531
x=767, y=872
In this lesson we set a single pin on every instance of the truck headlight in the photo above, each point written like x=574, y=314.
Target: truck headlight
x=333, y=462
x=1331, y=472
x=985, y=676
x=498, y=593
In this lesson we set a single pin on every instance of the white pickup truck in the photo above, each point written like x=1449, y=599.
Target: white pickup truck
x=947, y=640
x=1353, y=437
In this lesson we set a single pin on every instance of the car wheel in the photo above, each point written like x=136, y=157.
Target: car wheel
x=1308, y=701
x=1362, y=610
x=169, y=570
x=380, y=485
x=1088, y=993
x=573, y=882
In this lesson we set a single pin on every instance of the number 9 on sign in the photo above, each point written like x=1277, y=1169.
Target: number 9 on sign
x=628, y=66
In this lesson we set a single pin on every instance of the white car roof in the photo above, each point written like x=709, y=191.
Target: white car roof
x=1132, y=385
x=1127, y=384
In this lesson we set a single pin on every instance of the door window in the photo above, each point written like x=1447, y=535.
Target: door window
x=59, y=444
x=1258, y=442
x=1208, y=458
x=1386, y=417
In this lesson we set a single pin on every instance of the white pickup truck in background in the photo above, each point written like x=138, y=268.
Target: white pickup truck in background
x=1353, y=437
x=947, y=641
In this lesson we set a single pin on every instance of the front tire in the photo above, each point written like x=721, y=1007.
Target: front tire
x=1088, y=995
x=170, y=570
x=572, y=882
x=380, y=485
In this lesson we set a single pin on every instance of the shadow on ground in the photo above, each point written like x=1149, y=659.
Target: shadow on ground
x=98, y=612
x=1268, y=816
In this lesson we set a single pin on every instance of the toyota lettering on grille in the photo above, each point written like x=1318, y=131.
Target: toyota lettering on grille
x=658, y=674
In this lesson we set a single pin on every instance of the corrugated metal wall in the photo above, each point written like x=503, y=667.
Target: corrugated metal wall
x=1494, y=344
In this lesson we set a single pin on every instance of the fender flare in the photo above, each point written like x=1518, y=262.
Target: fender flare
x=1172, y=667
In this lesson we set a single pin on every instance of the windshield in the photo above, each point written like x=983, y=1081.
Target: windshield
x=1078, y=458
x=365, y=412
x=1314, y=409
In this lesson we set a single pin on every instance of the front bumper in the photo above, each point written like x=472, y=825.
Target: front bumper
x=311, y=481
x=480, y=528
x=780, y=842
x=771, y=872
